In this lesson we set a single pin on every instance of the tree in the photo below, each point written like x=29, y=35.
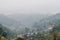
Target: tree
x=55, y=31
x=19, y=38
x=1, y=29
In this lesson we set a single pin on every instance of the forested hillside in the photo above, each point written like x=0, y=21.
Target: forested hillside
x=43, y=24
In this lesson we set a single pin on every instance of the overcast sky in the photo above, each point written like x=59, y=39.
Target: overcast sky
x=29, y=6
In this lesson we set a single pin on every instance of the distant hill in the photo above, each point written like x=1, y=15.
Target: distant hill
x=43, y=24
x=28, y=20
x=18, y=22
x=8, y=22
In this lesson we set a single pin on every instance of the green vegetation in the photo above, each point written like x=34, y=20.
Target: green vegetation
x=19, y=38
x=6, y=33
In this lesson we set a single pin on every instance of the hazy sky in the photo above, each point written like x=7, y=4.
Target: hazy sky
x=29, y=6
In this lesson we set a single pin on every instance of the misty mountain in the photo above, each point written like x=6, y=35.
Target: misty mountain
x=43, y=24
x=18, y=22
x=8, y=22
x=27, y=20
